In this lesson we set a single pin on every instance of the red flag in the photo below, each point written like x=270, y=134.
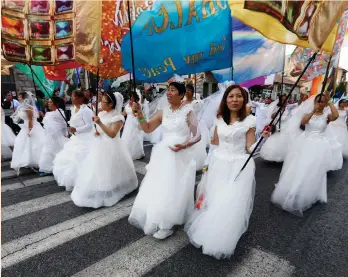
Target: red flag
x=57, y=72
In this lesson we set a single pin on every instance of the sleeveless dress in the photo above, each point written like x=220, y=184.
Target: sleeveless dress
x=133, y=135
x=339, y=129
x=107, y=173
x=27, y=149
x=67, y=161
x=166, y=195
x=276, y=146
x=228, y=202
x=302, y=180
x=55, y=138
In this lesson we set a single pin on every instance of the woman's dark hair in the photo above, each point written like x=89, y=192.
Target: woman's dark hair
x=135, y=96
x=319, y=96
x=80, y=94
x=58, y=102
x=23, y=94
x=190, y=87
x=111, y=98
x=224, y=111
x=341, y=100
x=180, y=87
x=280, y=102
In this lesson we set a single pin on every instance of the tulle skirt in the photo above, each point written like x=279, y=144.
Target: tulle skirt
x=133, y=138
x=105, y=176
x=226, y=208
x=340, y=131
x=27, y=150
x=156, y=136
x=199, y=153
x=275, y=147
x=51, y=147
x=67, y=161
x=302, y=180
x=7, y=136
x=166, y=195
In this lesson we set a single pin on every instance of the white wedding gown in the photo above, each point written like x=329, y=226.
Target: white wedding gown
x=339, y=129
x=132, y=135
x=55, y=137
x=7, y=138
x=227, y=202
x=27, y=149
x=107, y=173
x=67, y=161
x=276, y=146
x=166, y=195
x=302, y=181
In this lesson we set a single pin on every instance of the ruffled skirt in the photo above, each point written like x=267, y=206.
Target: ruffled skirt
x=166, y=195
x=302, y=180
x=51, y=147
x=68, y=161
x=7, y=136
x=27, y=150
x=275, y=147
x=226, y=206
x=340, y=131
x=105, y=176
x=133, y=138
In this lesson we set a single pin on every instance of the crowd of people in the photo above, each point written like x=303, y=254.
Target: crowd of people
x=89, y=157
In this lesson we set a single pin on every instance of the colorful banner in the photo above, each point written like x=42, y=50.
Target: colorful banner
x=309, y=24
x=45, y=85
x=100, y=28
x=300, y=56
x=253, y=55
x=179, y=37
x=38, y=32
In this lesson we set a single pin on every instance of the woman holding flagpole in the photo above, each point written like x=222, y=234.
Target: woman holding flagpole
x=166, y=195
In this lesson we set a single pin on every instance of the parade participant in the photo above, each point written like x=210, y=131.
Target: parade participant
x=132, y=135
x=261, y=114
x=107, y=173
x=276, y=146
x=28, y=143
x=56, y=134
x=302, y=180
x=165, y=196
x=339, y=126
x=199, y=149
x=68, y=160
x=7, y=138
x=224, y=212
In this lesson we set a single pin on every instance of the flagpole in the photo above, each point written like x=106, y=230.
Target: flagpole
x=325, y=78
x=132, y=49
x=279, y=110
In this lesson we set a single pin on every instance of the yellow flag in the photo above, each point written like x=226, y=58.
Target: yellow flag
x=309, y=24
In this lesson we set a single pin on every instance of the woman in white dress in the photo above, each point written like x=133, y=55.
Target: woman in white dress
x=7, y=138
x=199, y=149
x=68, y=160
x=29, y=141
x=225, y=201
x=56, y=135
x=339, y=129
x=261, y=115
x=166, y=195
x=276, y=146
x=302, y=180
x=107, y=174
x=132, y=135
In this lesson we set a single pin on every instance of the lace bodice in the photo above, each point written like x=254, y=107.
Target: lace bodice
x=232, y=138
x=108, y=118
x=174, y=123
x=316, y=125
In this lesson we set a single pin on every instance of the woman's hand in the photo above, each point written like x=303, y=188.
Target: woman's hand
x=205, y=169
x=96, y=133
x=265, y=134
x=72, y=130
x=96, y=119
x=178, y=147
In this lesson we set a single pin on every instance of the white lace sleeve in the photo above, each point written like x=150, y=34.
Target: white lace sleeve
x=250, y=121
x=117, y=118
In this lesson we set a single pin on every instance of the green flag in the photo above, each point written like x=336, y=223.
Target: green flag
x=45, y=85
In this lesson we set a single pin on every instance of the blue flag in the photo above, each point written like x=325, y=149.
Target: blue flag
x=179, y=37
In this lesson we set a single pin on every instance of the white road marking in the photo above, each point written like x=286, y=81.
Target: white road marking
x=27, y=183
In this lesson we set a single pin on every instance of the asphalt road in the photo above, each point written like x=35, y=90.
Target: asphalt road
x=44, y=234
